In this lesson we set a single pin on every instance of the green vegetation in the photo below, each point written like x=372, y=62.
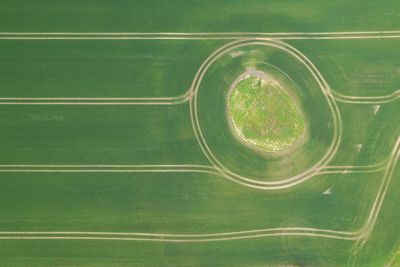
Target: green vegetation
x=194, y=202
x=264, y=115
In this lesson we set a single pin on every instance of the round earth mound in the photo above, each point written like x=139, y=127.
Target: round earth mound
x=305, y=120
x=262, y=114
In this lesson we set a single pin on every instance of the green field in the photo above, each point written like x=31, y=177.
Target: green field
x=116, y=138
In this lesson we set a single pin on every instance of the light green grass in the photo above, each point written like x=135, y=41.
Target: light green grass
x=264, y=115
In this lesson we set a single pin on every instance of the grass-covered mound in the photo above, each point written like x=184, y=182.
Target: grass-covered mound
x=264, y=115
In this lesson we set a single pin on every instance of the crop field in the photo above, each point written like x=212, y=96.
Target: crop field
x=124, y=143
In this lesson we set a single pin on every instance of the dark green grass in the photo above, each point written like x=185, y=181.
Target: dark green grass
x=100, y=68
x=356, y=67
x=195, y=16
x=147, y=202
